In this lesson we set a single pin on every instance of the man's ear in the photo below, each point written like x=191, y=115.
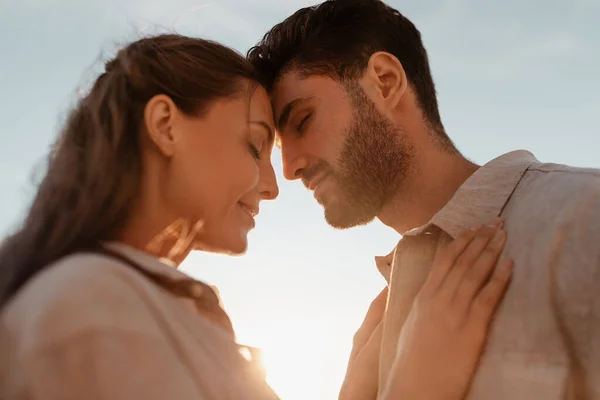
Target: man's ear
x=159, y=115
x=386, y=74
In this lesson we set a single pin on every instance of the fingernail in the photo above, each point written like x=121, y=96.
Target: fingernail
x=498, y=238
x=496, y=222
x=477, y=227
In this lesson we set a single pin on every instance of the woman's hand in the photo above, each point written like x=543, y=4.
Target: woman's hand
x=444, y=334
x=360, y=382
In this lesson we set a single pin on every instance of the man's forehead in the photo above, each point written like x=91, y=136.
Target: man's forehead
x=288, y=87
x=295, y=87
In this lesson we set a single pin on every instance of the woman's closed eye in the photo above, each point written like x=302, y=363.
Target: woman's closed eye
x=259, y=138
x=254, y=150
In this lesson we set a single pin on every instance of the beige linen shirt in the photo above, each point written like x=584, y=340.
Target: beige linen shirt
x=545, y=339
x=93, y=327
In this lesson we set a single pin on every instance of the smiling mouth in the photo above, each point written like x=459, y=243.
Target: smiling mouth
x=251, y=211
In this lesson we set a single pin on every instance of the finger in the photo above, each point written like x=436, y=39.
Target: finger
x=186, y=238
x=372, y=319
x=446, y=259
x=360, y=381
x=467, y=259
x=475, y=277
x=377, y=308
x=487, y=300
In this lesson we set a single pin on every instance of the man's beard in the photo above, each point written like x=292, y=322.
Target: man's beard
x=374, y=162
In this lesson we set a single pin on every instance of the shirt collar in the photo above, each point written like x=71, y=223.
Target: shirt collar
x=150, y=264
x=384, y=264
x=205, y=298
x=480, y=198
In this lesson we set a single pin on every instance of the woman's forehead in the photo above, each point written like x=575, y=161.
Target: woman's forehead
x=260, y=106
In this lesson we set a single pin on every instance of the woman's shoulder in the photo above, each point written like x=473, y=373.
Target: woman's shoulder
x=80, y=292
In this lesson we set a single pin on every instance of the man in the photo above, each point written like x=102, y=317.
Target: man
x=359, y=124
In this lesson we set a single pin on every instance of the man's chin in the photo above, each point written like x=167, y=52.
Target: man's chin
x=340, y=217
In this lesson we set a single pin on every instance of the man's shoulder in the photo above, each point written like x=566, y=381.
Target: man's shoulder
x=550, y=193
x=550, y=173
x=546, y=183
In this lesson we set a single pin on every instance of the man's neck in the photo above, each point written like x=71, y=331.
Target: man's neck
x=431, y=184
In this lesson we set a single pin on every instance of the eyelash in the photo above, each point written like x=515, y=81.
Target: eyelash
x=254, y=150
x=302, y=123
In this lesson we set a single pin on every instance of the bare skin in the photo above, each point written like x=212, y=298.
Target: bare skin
x=446, y=329
x=329, y=132
x=323, y=127
x=442, y=339
x=204, y=177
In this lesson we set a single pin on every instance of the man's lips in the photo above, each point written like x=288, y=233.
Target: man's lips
x=314, y=182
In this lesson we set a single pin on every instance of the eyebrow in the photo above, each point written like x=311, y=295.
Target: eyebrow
x=287, y=110
x=268, y=128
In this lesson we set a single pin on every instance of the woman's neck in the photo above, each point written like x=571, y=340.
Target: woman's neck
x=162, y=235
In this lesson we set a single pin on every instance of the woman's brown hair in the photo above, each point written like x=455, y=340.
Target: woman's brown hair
x=94, y=169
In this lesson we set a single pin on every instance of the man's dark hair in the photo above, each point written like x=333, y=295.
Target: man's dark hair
x=336, y=39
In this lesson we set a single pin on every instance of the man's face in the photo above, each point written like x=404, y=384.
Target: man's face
x=335, y=140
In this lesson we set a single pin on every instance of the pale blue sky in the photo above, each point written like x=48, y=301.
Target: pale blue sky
x=511, y=74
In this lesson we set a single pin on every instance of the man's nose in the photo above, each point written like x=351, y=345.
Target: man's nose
x=293, y=162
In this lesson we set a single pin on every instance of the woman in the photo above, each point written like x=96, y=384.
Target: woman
x=169, y=152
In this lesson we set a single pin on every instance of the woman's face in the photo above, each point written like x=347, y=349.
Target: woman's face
x=221, y=170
